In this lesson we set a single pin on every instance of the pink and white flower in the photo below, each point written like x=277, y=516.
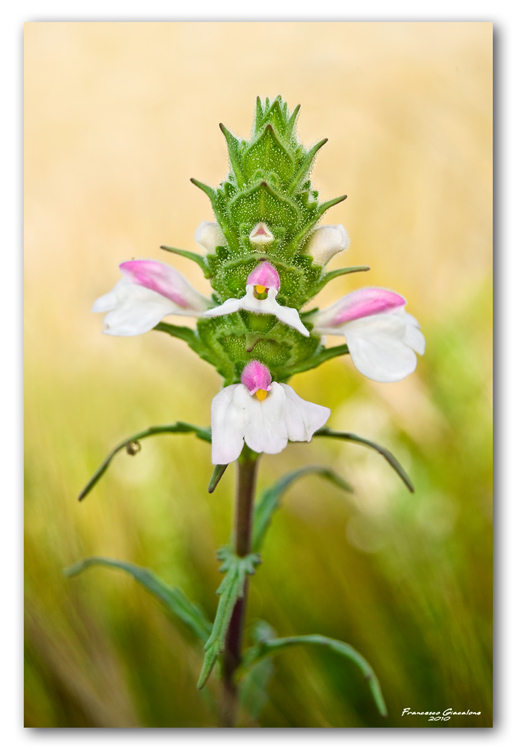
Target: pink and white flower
x=148, y=291
x=262, y=288
x=262, y=414
x=326, y=242
x=382, y=338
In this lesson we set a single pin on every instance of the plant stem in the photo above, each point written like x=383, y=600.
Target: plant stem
x=245, y=492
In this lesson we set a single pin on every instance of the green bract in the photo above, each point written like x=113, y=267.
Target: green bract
x=268, y=182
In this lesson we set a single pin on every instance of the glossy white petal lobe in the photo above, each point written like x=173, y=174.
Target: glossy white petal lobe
x=229, y=417
x=265, y=430
x=303, y=418
x=265, y=420
x=379, y=347
x=132, y=310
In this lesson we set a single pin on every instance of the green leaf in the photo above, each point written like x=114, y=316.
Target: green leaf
x=263, y=650
x=181, y=332
x=326, y=432
x=305, y=165
x=174, y=599
x=270, y=499
x=231, y=589
x=290, y=127
x=323, y=355
x=329, y=204
x=218, y=472
x=129, y=444
x=233, y=144
x=338, y=272
x=209, y=192
x=196, y=257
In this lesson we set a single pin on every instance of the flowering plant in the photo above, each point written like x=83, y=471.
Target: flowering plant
x=266, y=259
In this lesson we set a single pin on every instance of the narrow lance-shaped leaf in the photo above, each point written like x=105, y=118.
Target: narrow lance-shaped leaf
x=182, y=332
x=174, y=599
x=233, y=153
x=263, y=650
x=323, y=355
x=196, y=257
x=387, y=455
x=178, y=427
x=339, y=272
x=305, y=165
x=218, y=472
x=231, y=589
x=270, y=499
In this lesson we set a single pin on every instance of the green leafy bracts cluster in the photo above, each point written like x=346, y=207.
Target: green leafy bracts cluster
x=268, y=182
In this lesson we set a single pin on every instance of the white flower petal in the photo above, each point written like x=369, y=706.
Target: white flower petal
x=265, y=425
x=167, y=281
x=287, y=315
x=378, y=348
x=134, y=308
x=413, y=336
x=229, y=416
x=266, y=430
x=227, y=308
x=137, y=310
x=268, y=306
x=303, y=418
x=107, y=301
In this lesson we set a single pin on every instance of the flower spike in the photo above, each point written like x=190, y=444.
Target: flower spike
x=148, y=291
x=382, y=337
x=262, y=414
x=262, y=287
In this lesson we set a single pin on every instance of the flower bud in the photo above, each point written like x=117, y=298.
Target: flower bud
x=265, y=275
x=261, y=235
x=209, y=236
x=325, y=242
x=256, y=376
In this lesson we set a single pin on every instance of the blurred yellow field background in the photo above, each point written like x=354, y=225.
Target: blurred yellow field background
x=118, y=117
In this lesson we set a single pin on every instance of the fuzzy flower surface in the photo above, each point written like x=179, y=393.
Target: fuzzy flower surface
x=262, y=288
x=148, y=291
x=382, y=338
x=261, y=413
